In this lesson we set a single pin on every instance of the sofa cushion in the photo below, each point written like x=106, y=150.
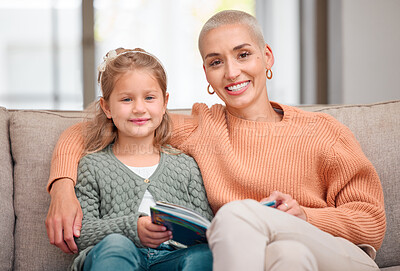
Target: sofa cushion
x=377, y=128
x=391, y=268
x=6, y=195
x=33, y=137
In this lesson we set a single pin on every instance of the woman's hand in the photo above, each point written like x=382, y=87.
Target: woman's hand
x=152, y=235
x=286, y=203
x=64, y=218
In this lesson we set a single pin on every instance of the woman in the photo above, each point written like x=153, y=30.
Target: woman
x=328, y=195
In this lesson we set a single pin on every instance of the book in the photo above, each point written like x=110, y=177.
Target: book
x=269, y=203
x=187, y=226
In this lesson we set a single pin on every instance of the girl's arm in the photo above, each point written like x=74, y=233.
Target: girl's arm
x=197, y=192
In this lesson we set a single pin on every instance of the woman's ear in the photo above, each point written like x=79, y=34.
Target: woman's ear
x=106, y=108
x=269, y=57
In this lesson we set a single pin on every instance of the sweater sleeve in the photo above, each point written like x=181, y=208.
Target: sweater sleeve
x=66, y=155
x=197, y=192
x=185, y=126
x=94, y=226
x=182, y=127
x=355, y=204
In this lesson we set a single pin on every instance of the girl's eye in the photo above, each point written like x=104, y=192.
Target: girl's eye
x=244, y=55
x=215, y=63
x=149, y=98
x=127, y=100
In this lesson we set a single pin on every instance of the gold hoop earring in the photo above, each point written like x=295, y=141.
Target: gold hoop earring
x=208, y=90
x=269, y=76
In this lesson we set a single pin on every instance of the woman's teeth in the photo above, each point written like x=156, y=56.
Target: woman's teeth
x=238, y=86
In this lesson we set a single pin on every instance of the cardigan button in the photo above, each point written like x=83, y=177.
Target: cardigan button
x=147, y=181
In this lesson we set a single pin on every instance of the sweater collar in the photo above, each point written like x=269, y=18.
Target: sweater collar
x=287, y=112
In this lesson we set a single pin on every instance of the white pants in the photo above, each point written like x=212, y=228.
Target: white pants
x=245, y=235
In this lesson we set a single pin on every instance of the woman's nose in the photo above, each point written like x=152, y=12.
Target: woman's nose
x=232, y=70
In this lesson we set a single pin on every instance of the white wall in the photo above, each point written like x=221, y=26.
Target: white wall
x=370, y=51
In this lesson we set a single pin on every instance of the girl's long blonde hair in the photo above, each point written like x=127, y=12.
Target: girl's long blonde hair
x=101, y=131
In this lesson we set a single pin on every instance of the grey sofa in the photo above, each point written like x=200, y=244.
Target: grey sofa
x=27, y=139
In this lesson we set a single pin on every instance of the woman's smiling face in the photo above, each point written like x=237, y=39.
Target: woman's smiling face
x=235, y=67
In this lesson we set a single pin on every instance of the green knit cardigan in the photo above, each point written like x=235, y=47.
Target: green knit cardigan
x=110, y=194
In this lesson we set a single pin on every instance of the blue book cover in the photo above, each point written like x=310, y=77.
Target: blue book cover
x=188, y=227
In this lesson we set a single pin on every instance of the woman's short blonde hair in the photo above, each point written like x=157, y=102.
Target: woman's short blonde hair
x=228, y=17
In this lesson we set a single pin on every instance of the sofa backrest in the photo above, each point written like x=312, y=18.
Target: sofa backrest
x=6, y=195
x=33, y=136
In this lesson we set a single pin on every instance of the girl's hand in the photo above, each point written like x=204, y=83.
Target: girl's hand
x=152, y=235
x=286, y=203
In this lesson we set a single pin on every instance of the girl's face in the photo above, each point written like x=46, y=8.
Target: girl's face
x=235, y=67
x=136, y=106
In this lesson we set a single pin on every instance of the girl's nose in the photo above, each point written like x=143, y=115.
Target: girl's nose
x=139, y=107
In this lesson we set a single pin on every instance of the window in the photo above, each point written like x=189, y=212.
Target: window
x=169, y=29
x=40, y=52
x=41, y=47
x=280, y=23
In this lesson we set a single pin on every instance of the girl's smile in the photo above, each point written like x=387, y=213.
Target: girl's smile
x=140, y=121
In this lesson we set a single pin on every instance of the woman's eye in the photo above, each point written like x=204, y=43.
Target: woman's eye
x=215, y=63
x=244, y=55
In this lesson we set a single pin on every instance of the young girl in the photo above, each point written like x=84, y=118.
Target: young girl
x=128, y=167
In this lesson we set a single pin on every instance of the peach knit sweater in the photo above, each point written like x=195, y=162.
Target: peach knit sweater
x=310, y=156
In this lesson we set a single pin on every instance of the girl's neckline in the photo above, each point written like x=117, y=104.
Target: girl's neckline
x=126, y=153
x=125, y=167
x=153, y=166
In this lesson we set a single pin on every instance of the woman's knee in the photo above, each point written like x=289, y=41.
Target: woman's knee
x=287, y=254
